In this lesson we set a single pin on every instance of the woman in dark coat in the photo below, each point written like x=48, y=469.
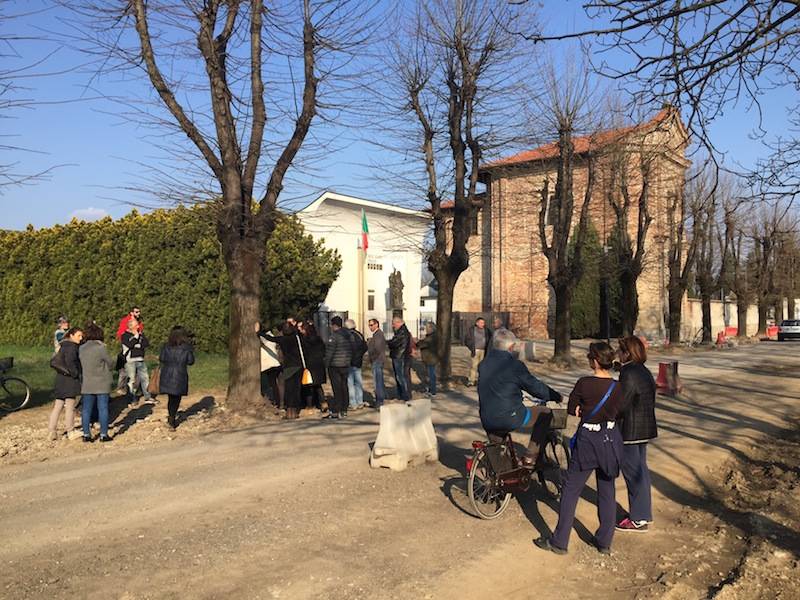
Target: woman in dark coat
x=638, y=424
x=289, y=342
x=68, y=386
x=314, y=349
x=596, y=400
x=175, y=359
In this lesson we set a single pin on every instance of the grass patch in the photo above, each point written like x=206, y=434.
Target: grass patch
x=32, y=363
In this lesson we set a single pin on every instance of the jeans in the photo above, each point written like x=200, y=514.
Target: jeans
x=138, y=369
x=432, y=379
x=637, y=479
x=355, y=387
x=380, y=390
x=399, y=367
x=88, y=401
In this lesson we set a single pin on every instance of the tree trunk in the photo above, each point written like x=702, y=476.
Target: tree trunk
x=778, y=311
x=630, y=303
x=244, y=259
x=790, y=306
x=562, y=352
x=674, y=305
x=706, y=306
x=763, y=308
x=741, y=319
x=444, y=326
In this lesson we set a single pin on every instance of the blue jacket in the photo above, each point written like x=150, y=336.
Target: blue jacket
x=501, y=379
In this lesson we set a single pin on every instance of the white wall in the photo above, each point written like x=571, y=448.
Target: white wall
x=395, y=242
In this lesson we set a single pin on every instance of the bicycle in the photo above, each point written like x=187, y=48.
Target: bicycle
x=490, y=489
x=14, y=392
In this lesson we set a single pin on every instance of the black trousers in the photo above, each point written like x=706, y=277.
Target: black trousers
x=341, y=398
x=173, y=404
x=313, y=396
x=271, y=385
x=291, y=390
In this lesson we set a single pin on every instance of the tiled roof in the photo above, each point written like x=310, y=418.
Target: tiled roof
x=582, y=144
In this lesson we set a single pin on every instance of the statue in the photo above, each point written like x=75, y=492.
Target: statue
x=396, y=290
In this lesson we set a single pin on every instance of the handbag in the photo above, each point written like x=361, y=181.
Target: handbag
x=573, y=441
x=59, y=364
x=306, y=378
x=153, y=388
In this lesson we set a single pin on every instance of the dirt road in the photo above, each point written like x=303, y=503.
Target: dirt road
x=292, y=510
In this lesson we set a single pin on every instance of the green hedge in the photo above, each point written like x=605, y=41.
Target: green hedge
x=167, y=262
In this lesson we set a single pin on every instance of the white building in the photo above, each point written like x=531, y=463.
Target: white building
x=395, y=242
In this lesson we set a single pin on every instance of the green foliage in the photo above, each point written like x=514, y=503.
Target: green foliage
x=168, y=262
x=585, y=308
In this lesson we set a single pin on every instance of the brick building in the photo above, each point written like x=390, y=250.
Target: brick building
x=508, y=272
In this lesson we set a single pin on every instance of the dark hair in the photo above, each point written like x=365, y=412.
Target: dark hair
x=311, y=331
x=480, y=319
x=374, y=321
x=634, y=348
x=288, y=329
x=602, y=353
x=178, y=336
x=93, y=331
x=72, y=331
x=336, y=321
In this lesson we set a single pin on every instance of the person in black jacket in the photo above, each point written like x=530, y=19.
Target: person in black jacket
x=638, y=423
x=290, y=343
x=338, y=356
x=400, y=353
x=68, y=386
x=314, y=348
x=355, y=381
x=502, y=380
x=174, y=360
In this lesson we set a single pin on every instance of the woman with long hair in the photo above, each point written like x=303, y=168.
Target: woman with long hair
x=174, y=359
x=596, y=399
x=291, y=345
x=314, y=348
x=96, y=366
x=638, y=425
x=68, y=385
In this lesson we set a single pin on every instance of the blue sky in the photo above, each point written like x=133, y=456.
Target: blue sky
x=98, y=153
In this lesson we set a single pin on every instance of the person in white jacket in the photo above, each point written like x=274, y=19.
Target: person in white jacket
x=271, y=383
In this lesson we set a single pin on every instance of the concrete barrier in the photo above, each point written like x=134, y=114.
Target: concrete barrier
x=405, y=436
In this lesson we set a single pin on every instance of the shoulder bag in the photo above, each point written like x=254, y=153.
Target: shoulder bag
x=59, y=364
x=306, y=378
x=573, y=441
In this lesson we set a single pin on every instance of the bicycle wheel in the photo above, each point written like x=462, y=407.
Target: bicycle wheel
x=14, y=393
x=556, y=452
x=485, y=495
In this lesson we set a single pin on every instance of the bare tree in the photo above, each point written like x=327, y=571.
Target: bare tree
x=682, y=245
x=453, y=68
x=565, y=108
x=703, y=56
x=712, y=259
x=624, y=160
x=738, y=280
x=261, y=69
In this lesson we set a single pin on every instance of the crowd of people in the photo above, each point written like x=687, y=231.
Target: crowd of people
x=84, y=373
x=296, y=362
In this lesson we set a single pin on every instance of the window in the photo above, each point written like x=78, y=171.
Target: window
x=375, y=266
x=370, y=299
x=475, y=221
x=551, y=214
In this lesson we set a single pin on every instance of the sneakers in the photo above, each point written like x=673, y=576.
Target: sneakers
x=105, y=438
x=627, y=525
x=331, y=416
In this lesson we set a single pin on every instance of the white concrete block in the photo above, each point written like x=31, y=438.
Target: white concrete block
x=405, y=436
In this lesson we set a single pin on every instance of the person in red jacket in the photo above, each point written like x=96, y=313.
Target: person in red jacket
x=135, y=313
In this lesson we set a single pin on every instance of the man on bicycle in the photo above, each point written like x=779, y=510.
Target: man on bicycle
x=502, y=378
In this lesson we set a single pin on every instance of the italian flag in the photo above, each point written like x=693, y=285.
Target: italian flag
x=364, y=231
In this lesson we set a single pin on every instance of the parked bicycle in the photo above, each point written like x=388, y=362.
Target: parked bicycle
x=496, y=472
x=14, y=392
